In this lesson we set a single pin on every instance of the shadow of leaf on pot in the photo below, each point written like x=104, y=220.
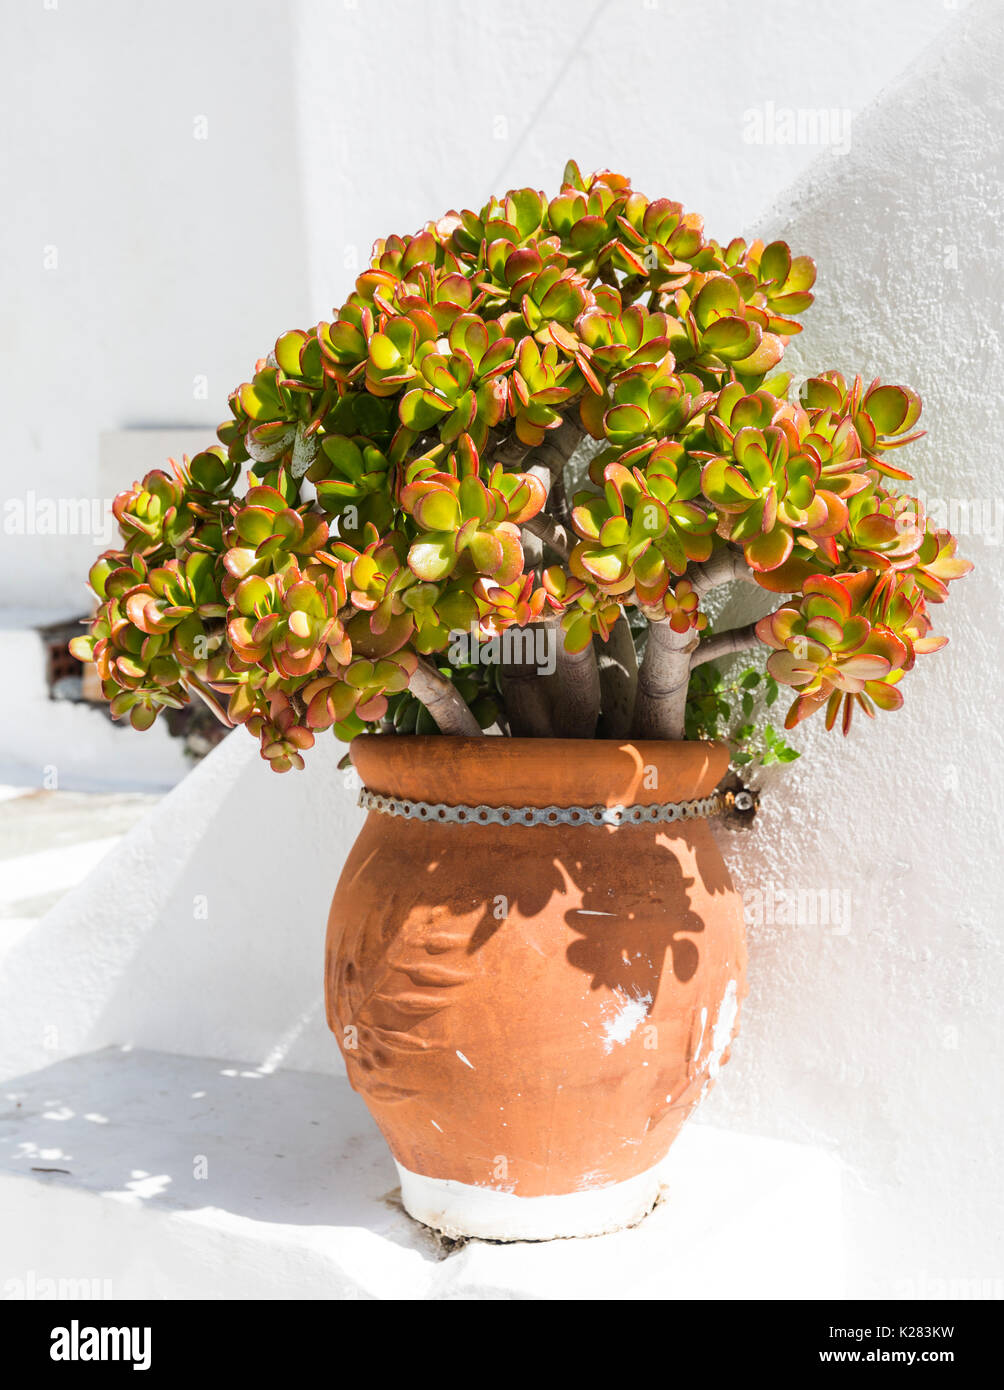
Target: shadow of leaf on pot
x=627, y=932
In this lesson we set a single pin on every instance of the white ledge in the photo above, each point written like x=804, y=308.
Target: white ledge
x=194, y=1178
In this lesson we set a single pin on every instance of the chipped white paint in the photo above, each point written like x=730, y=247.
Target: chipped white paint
x=700, y=1040
x=725, y=1024
x=628, y=1014
x=721, y=1035
x=488, y=1213
x=464, y=1060
x=592, y=1180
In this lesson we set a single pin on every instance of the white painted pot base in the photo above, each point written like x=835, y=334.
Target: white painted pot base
x=461, y=1209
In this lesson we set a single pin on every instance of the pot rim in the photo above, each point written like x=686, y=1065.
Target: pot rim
x=493, y=770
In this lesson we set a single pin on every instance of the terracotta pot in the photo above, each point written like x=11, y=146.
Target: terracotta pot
x=531, y=1012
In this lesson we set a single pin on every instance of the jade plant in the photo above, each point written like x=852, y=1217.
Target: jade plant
x=555, y=419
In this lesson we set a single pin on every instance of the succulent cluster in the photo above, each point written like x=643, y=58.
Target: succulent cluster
x=396, y=474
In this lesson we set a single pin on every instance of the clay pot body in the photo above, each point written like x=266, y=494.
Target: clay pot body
x=532, y=1012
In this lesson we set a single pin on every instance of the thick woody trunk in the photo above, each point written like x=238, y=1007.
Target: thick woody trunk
x=526, y=691
x=618, y=670
x=661, y=702
x=576, y=703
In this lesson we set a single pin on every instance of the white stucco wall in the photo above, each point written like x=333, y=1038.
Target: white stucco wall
x=872, y=1036
x=151, y=243
x=186, y=180
x=877, y=1035
x=473, y=98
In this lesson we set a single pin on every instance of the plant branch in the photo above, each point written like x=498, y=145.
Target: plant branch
x=724, y=567
x=558, y=446
x=208, y=698
x=577, y=691
x=557, y=502
x=443, y=701
x=525, y=690
x=546, y=461
x=511, y=453
x=554, y=450
x=533, y=546
x=721, y=644
x=663, y=678
x=552, y=533
x=618, y=667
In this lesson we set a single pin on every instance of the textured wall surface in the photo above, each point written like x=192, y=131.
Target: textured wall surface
x=876, y=1032
x=871, y=1032
x=668, y=91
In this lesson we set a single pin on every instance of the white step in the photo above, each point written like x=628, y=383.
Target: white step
x=193, y=1178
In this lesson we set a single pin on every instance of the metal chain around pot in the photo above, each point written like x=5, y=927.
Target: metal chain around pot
x=662, y=813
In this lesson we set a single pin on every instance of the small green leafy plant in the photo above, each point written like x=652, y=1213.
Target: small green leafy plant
x=400, y=474
x=735, y=708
